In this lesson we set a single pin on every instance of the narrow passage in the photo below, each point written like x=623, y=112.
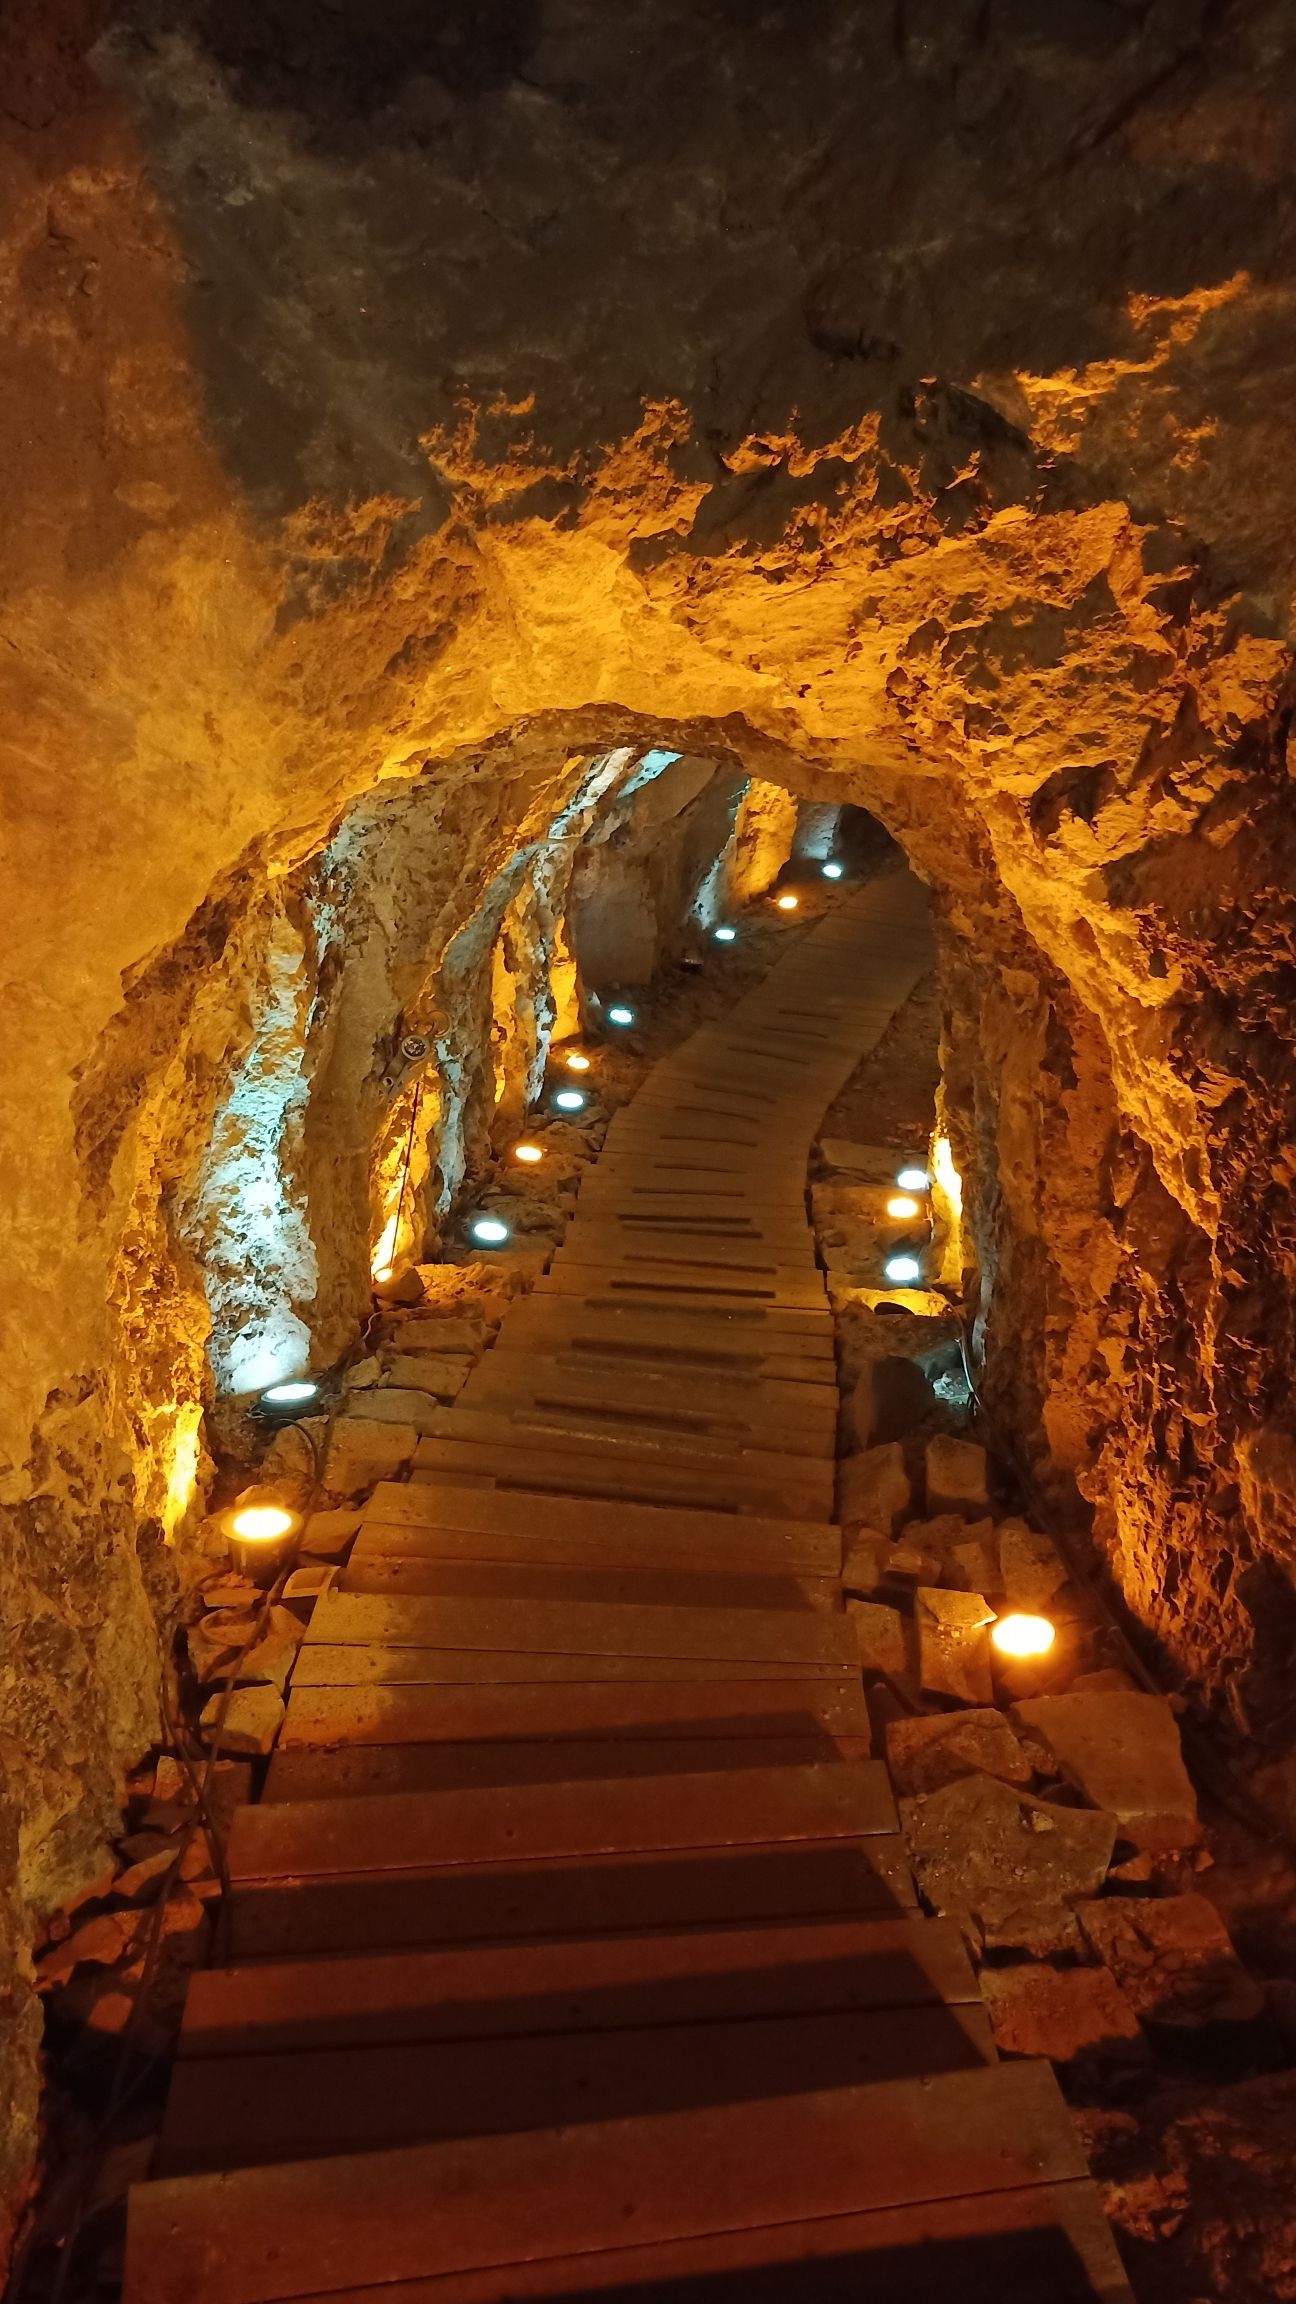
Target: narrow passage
x=573, y=1948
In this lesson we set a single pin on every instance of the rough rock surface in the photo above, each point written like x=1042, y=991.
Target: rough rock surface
x=1121, y=1750
x=925, y=1753
x=1008, y=1868
x=1174, y=1958
x=403, y=411
x=1061, y=2013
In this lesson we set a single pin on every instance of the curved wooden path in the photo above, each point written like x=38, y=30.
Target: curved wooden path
x=574, y=1951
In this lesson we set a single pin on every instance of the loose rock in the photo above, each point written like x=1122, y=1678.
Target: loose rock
x=891, y=1397
x=395, y=1405
x=1031, y=1568
x=874, y=1490
x=954, y=1644
x=1061, y=2013
x=925, y=1753
x=327, y=1534
x=956, y=1477
x=251, y=1721
x=1174, y=1958
x=363, y=1450
x=865, y=1563
x=880, y=1633
x=1122, y=1751
x=1007, y=1867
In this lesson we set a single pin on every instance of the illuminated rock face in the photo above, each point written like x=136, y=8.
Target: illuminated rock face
x=888, y=405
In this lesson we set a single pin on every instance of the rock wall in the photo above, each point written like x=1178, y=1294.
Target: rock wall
x=401, y=411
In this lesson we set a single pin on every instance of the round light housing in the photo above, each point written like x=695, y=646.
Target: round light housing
x=913, y=1180
x=833, y=871
x=620, y=1014
x=488, y=1231
x=902, y=1271
x=787, y=903
x=1020, y=1635
x=290, y=1395
x=725, y=935
x=261, y=1523
x=577, y=1063
x=528, y=1154
x=262, y=1539
x=902, y=1207
x=570, y=1100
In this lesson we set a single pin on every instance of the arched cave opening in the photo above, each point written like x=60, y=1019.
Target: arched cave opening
x=493, y=504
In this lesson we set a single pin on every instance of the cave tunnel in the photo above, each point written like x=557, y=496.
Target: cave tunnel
x=650, y=944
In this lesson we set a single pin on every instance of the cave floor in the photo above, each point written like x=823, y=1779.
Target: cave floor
x=573, y=1947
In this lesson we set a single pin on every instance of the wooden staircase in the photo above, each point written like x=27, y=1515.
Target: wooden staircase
x=573, y=1951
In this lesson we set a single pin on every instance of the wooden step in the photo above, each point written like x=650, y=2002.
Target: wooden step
x=580, y=1463
x=613, y=1587
x=569, y=1897
x=704, y=1285
x=536, y=1712
x=398, y=1832
x=351, y=1665
x=601, y=1241
x=241, y=2111
x=624, y=1981
x=566, y=1627
x=716, y=1337
x=358, y=1771
x=268, y=2235
x=739, y=1411
x=428, y=1522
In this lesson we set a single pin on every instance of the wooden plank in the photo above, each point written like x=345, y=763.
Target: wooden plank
x=361, y=1770
x=1049, y=2245
x=587, y=1465
x=411, y=1831
x=725, y=1974
x=241, y=2111
x=274, y=2234
x=730, y=1334
x=600, y=1240
x=702, y=1284
x=739, y=1413
x=611, y=1587
x=585, y=1628
x=528, y=1429
x=591, y=1897
x=538, y=1712
x=352, y=1666
x=573, y=1531
x=652, y=1374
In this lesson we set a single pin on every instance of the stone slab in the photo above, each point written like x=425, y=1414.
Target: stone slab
x=1121, y=1750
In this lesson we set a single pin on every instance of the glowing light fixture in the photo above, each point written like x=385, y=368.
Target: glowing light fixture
x=570, y=1100
x=833, y=871
x=528, y=1154
x=903, y=1271
x=620, y=1015
x=1022, y=1635
x=913, y=1179
x=788, y=903
x=902, y=1207
x=488, y=1231
x=290, y=1395
x=383, y=1258
x=262, y=1537
x=576, y=1063
x=725, y=935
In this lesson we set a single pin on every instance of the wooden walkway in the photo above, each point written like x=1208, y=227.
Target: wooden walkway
x=573, y=1947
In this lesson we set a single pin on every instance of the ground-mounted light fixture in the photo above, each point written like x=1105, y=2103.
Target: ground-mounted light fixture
x=832, y=870
x=1020, y=1635
x=903, y=1208
x=576, y=1062
x=570, y=1100
x=283, y=1403
x=262, y=1538
x=787, y=902
x=529, y=1154
x=489, y=1231
x=903, y=1271
x=913, y=1179
x=620, y=1014
x=725, y=935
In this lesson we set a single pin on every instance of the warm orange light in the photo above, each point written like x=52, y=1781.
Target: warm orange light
x=902, y=1206
x=577, y=1063
x=381, y=1263
x=1023, y=1635
x=261, y=1523
x=528, y=1154
x=788, y=903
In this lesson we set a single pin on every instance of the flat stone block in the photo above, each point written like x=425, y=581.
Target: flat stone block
x=363, y=1450
x=880, y=1633
x=326, y=1535
x=1061, y=2013
x=954, y=1644
x=956, y=1477
x=925, y=1753
x=873, y=1489
x=865, y=1563
x=891, y=1397
x=441, y=1373
x=1174, y=1958
x=397, y=1404
x=1006, y=1867
x=1031, y=1568
x=1122, y=1751
x=251, y=1722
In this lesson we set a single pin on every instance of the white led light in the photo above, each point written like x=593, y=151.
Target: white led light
x=620, y=1015
x=903, y=1270
x=725, y=935
x=489, y=1231
x=570, y=1100
x=913, y=1179
x=833, y=871
x=288, y=1395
